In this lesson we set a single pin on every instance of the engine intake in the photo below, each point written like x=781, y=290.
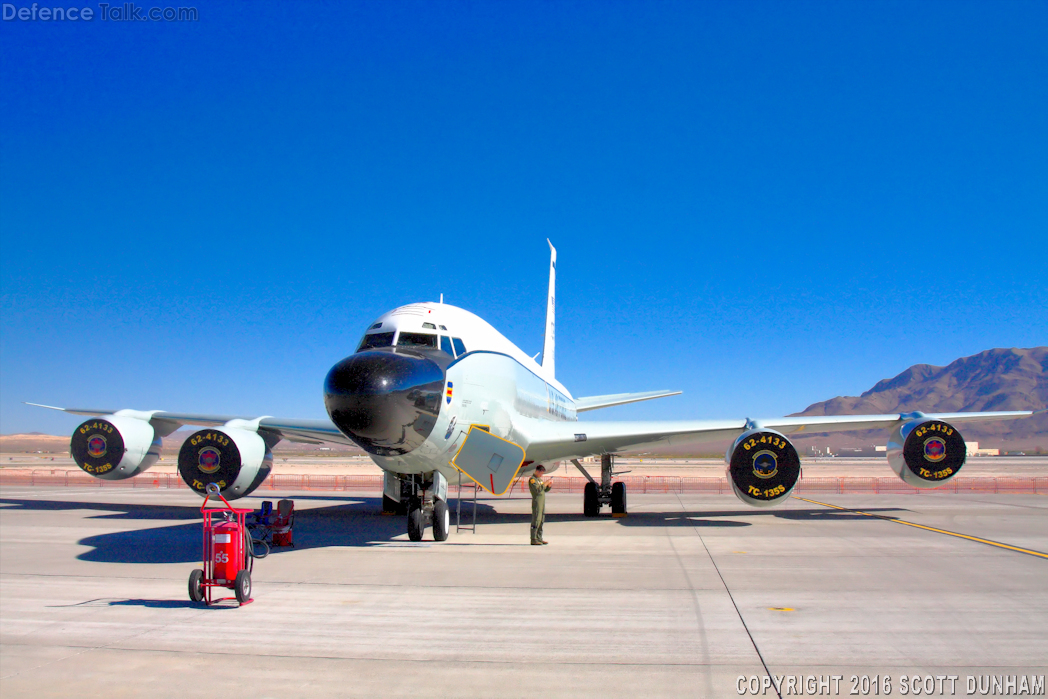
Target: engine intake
x=116, y=447
x=763, y=467
x=926, y=453
x=236, y=460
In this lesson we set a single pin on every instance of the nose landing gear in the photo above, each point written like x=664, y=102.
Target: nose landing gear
x=423, y=498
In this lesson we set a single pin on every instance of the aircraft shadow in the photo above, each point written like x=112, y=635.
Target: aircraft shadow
x=155, y=603
x=116, y=510
x=120, y=602
x=353, y=522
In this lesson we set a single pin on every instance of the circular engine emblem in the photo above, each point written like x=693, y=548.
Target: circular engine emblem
x=96, y=446
x=934, y=449
x=765, y=464
x=209, y=459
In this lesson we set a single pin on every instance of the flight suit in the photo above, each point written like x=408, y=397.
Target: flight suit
x=538, y=507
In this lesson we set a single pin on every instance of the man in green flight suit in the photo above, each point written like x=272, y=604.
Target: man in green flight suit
x=538, y=488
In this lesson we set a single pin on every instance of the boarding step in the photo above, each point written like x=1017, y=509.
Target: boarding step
x=472, y=489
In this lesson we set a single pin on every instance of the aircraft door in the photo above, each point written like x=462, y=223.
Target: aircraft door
x=490, y=461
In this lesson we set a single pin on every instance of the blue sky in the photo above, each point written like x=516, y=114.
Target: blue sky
x=763, y=204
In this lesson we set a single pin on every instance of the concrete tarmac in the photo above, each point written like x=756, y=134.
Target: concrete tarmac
x=679, y=599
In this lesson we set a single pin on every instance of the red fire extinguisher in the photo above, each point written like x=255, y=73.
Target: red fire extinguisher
x=227, y=554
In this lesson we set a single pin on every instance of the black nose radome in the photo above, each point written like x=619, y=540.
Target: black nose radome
x=385, y=401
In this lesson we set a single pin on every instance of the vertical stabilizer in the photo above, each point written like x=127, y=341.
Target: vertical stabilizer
x=551, y=315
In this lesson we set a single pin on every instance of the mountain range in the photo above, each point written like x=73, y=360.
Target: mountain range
x=997, y=379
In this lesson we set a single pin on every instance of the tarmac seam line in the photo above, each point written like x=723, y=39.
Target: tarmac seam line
x=362, y=658
x=989, y=542
x=731, y=597
x=90, y=649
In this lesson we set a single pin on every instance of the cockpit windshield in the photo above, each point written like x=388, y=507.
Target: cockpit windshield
x=376, y=340
x=417, y=340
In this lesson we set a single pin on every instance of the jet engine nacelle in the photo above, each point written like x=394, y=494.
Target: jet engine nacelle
x=235, y=459
x=115, y=447
x=763, y=467
x=926, y=453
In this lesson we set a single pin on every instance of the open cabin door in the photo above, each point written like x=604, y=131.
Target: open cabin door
x=490, y=461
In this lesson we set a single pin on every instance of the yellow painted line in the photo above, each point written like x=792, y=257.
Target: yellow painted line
x=931, y=529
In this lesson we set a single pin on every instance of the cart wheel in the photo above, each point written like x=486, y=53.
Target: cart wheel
x=242, y=586
x=196, y=585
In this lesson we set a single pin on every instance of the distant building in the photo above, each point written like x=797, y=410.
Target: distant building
x=972, y=449
x=869, y=451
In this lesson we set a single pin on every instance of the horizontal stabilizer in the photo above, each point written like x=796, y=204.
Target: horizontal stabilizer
x=595, y=402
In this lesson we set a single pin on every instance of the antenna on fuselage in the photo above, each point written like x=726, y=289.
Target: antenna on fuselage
x=442, y=299
x=551, y=323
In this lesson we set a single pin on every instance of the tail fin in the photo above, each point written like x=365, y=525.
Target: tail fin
x=551, y=320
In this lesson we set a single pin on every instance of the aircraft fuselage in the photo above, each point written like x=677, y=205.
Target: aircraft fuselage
x=423, y=375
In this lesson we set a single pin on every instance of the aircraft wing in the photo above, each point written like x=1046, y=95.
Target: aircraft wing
x=551, y=441
x=291, y=429
x=595, y=402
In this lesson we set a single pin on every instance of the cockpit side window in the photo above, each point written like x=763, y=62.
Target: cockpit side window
x=445, y=344
x=417, y=340
x=376, y=340
x=460, y=349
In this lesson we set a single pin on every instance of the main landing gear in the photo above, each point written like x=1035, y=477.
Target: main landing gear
x=423, y=498
x=595, y=495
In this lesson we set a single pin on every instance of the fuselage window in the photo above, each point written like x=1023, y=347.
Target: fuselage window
x=376, y=340
x=429, y=326
x=445, y=344
x=460, y=349
x=376, y=326
x=416, y=340
x=443, y=327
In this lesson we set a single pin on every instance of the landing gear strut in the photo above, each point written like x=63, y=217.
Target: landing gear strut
x=423, y=498
x=605, y=493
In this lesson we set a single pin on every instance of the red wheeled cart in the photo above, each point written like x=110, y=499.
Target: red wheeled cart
x=227, y=553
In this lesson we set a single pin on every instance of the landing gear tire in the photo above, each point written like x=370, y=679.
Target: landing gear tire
x=196, y=585
x=618, y=498
x=242, y=586
x=416, y=520
x=441, y=520
x=590, y=501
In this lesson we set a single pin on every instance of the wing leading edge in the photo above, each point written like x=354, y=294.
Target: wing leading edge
x=291, y=429
x=551, y=441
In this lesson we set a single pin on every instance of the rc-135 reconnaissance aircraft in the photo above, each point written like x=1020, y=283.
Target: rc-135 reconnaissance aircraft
x=433, y=391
